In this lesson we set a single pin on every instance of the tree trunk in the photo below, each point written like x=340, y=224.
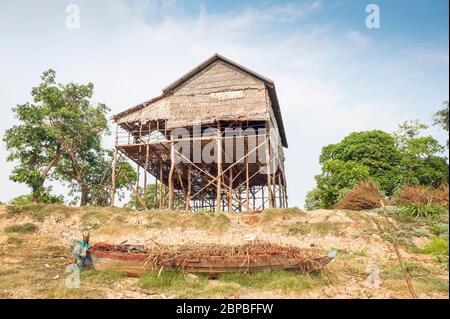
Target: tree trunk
x=34, y=197
x=84, y=195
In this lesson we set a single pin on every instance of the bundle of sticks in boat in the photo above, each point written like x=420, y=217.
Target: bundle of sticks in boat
x=180, y=255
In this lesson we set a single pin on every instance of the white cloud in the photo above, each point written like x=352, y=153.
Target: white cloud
x=326, y=82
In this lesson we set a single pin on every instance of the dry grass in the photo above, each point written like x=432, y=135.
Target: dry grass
x=410, y=195
x=364, y=196
x=32, y=264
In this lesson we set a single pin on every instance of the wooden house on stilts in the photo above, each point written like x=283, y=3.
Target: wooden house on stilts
x=213, y=141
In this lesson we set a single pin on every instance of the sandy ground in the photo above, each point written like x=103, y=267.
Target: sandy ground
x=357, y=236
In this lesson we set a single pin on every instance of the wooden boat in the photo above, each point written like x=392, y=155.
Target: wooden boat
x=135, y=260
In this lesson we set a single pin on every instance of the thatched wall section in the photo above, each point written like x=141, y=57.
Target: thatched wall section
x=158, y=109
x=220, y=92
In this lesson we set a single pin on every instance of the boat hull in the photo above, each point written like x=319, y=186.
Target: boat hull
x=135, y=263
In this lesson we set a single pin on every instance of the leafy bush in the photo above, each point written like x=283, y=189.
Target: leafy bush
x=336, y=179
x=390, y=160
x=365, y=195
x=45, y=198
x=422, y=211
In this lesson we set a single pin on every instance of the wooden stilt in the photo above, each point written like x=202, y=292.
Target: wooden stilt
x=145, y=176
x=247, y=186
x=230, y=194
x=155, y=194
x=113, y=169
x=160, y=185
x=137, y=181
x=280, y=190
x=172, y=167
x=274, y=194
x=219, y=169
x=263, y=199
x=188, y=192
x=269, y=182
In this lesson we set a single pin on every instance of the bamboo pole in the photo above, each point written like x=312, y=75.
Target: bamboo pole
x=274, y=184
x=188, y=193
x=214, y=178
x=269, y=182
x=113, y=169
x=172, y=167
x=145, y=176
x=263, y=199
x=219, y=168
x=160, y=184
x=155, y=193
x=247, y=186
x=280, y=190
x=230, y=195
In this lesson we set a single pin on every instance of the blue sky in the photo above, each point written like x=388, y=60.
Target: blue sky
x=333, y=75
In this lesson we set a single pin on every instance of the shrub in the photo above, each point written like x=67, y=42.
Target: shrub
x=365, y=195
x=420, y=195
x=45, y=198
x=440, y=195
x=418, y=210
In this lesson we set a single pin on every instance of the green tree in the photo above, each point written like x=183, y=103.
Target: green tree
x=78, y=127
x=376, y=150
x=420, y=158
x=336, y=178
x=32, y=143
x=441, y=118
x=59, y=136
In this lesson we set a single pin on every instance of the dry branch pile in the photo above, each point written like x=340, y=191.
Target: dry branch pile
x=247, y=256
x=408, y=195
x=365, y=195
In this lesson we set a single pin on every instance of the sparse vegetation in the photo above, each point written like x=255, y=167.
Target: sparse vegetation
x=422, y=211
x=174, y=282
x=270, y=215
x=47, y=259
x=276, y=280
x=22, y=228
x=14, y=241
x=201, y=220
